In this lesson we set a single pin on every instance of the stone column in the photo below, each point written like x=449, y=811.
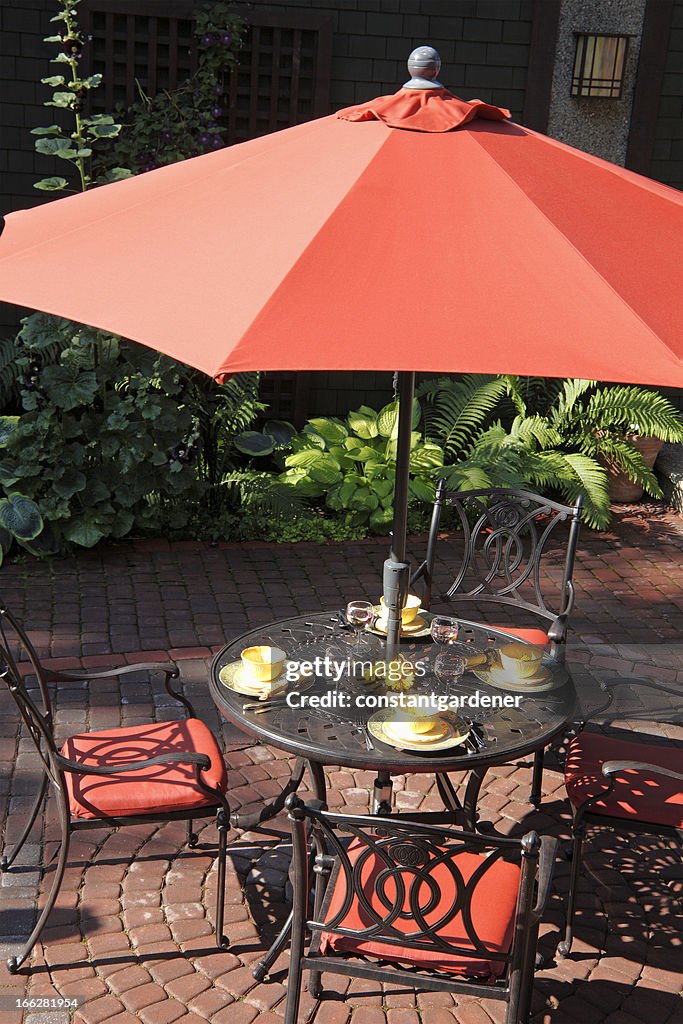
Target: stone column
x=598, y=126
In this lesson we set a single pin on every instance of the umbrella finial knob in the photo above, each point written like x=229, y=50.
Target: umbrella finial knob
x=424, y=65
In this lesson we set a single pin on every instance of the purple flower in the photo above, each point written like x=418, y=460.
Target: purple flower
x=226, y=38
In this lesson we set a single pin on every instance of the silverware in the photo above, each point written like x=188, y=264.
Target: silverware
x=363, y=726
x=264, y=705
x=476, y=738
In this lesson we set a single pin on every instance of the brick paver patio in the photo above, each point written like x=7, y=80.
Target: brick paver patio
x=130, y=937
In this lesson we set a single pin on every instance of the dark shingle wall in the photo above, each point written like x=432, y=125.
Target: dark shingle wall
x=24, y=60
x=667, y=156
x=484, y=45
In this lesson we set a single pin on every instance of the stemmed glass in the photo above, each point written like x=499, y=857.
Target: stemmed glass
x=449, y=668
x=444, y=629
x=360, y=614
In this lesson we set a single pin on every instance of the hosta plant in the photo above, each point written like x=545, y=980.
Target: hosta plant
x=350, y=466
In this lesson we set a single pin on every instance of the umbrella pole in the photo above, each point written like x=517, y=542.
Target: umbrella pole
x=396, y=568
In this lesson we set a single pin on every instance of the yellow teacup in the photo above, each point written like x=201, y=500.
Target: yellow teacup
x=408, y=612
x=413, y=721
x=520, y=660
x=263, y=664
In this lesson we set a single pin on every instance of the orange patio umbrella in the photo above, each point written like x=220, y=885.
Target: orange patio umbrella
x=414, y=232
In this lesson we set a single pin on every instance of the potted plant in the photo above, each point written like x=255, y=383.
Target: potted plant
x=622, y=488
x=622, y=427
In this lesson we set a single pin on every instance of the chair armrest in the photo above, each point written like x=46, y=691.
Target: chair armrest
x=609, y=684
x=168, y=667
x=546, y=870
x=609, y=687
x=609, y=768
x=203, y=761
x=557, y=631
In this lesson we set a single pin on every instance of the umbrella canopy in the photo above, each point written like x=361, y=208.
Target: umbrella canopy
x=415, y=232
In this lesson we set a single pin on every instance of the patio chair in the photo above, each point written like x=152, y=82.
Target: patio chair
x=164, y=771
x=416, y=905
x=505, y=535
x=622, y=783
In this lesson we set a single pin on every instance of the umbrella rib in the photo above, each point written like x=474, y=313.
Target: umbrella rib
x=657, y=188
x=573, y=247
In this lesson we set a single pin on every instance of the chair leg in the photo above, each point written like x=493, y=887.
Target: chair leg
x=537, y=780
x=15, y=962
x=222, y=824
x=6, y=862
x=315, y=987
x=192, y=837
x=565, y=946
x=527, y=979
x=260, y=972
x=295, y=978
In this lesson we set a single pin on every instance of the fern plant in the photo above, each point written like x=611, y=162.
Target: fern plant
x=547, y=435
x=220, y=412
x=456, y=411
x=589, y=427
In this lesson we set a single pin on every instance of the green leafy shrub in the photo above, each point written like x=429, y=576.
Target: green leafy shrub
x=103, y=447
x=302, y=525
x=353, y=464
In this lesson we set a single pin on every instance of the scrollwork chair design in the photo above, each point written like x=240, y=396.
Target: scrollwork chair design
x=417, y=905
x=503, y=543
x=164, y=771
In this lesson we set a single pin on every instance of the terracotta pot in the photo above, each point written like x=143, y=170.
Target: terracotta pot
x=621, y=489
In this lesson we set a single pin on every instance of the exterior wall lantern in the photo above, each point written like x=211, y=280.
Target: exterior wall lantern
x=599, y=64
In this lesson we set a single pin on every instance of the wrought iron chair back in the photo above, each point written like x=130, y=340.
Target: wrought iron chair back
x=22, y=661
x=587, y=814
x=389, y=870
x=38, y=723
x=505, y=536
x=20, y=666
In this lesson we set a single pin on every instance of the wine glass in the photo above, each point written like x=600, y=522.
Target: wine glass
x=444, y=629
x=449, y=668
x=360, y=614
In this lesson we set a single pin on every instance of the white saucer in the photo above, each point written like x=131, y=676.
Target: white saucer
x=378, y=721
x=232, y=676
x=420, y=624
x=496, y=676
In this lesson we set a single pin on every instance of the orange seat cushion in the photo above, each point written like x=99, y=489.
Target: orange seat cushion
x=493, y=911
x=650, y=798
x=532, y=635
x=150, y=790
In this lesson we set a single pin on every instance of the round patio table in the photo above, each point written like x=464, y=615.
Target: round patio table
x=323, y=736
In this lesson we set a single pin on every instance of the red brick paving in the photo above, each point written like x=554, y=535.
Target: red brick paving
x=131, y=935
